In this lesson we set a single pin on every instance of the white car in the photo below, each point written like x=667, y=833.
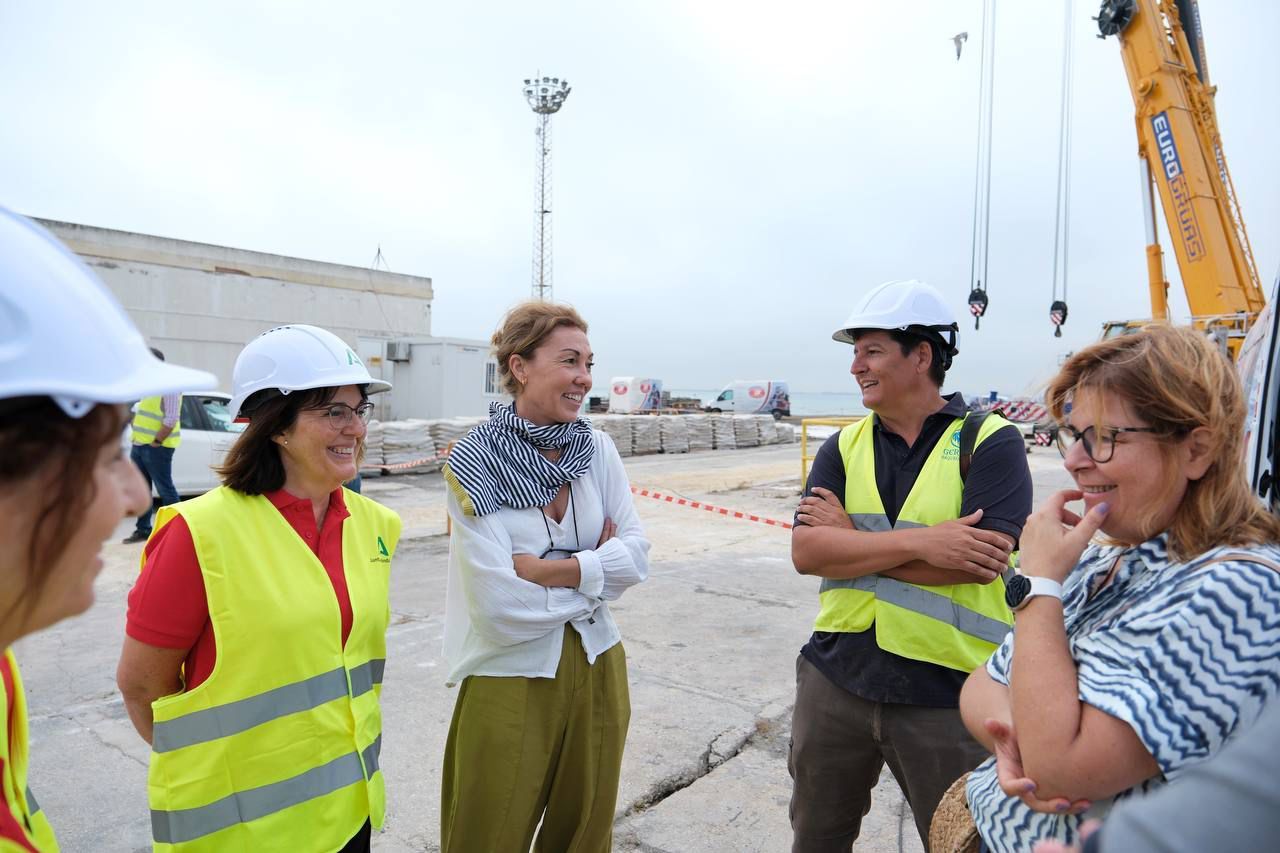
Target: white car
x=207, y=434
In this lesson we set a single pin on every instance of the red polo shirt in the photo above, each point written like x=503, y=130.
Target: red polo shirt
x=168, y=607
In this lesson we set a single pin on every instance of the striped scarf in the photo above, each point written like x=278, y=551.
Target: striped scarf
x=497, y=464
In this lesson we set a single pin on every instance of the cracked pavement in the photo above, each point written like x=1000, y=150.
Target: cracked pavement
x=711, y=641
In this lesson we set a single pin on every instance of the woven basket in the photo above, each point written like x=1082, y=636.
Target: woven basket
x=952, y=829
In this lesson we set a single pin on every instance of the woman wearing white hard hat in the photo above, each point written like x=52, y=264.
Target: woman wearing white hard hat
x=256, y=634
x=70, y=363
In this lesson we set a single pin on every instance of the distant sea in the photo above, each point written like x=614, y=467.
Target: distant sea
x=803, y=404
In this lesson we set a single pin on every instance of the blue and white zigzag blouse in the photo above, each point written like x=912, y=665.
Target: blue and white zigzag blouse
x=1185, y=653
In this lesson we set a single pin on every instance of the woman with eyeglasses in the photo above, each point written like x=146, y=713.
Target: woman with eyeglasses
x=544, y=536
x=1140, y=655
x=256, y=634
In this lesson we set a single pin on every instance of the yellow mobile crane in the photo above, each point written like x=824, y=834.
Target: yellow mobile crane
x=1181, y=153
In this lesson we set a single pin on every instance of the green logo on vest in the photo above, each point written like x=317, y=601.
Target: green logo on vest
x=953, y=452
x=382, y=548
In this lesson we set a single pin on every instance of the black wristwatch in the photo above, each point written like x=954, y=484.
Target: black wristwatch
x=1020, y=589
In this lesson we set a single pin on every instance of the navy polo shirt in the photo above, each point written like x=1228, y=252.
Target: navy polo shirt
x=999, y=482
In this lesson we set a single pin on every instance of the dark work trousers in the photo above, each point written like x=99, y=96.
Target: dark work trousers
x=359, y=843
x=839, y=744
x=156, y=465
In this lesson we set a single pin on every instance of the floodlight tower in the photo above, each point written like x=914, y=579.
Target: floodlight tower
x=546, y=95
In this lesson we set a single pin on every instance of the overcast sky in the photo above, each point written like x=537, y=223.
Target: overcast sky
x=729, y=176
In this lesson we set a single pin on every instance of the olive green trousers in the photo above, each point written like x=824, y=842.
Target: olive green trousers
x=524, y=751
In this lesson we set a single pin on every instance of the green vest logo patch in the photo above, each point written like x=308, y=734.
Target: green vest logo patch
x=382, y=548
x=953, y=452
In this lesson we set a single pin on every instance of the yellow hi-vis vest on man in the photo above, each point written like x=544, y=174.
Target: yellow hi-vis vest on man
x=18, y=798
x=956, y=626
x=147, y=420
x=278, y=749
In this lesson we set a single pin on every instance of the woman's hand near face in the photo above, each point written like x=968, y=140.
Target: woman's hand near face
x=1055, y=537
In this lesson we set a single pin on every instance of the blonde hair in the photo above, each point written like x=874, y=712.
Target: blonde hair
x=1177, y=380
x=523, y=330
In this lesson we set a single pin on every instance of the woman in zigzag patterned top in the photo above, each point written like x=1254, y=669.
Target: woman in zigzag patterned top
x=1133, y=659
x=544, y=535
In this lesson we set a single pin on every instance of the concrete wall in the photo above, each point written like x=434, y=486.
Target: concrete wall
x=200, y=304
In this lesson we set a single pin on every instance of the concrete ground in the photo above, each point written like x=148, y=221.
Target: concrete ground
x=711, y=641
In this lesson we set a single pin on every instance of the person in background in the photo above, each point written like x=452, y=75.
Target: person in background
x=544, y=536
x=70, y=361
x=910, y=548
x=157, y=432
x=1139, y=657
x=256, y=634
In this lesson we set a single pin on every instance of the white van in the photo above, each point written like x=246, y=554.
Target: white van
x=633, y=394
x=754, y=396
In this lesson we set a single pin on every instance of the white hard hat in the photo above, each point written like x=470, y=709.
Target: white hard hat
x=907, y=305
x=63, y=335
x=297, y=358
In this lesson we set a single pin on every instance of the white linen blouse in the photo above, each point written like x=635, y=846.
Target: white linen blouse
x=498, y=624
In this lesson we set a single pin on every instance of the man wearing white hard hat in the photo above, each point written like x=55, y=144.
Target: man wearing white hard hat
x=70, y=362
x=256, y=634
x=909, y=517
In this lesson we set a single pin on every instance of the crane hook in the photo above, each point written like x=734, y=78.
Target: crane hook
x=977, y=305
x=1058, y=314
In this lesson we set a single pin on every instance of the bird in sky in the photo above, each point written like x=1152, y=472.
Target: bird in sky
x=960, y=39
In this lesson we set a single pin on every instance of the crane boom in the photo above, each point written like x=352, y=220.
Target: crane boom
x=1180, y=145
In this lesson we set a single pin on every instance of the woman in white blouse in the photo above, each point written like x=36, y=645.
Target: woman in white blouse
x=544, y=535
x=1133, y=659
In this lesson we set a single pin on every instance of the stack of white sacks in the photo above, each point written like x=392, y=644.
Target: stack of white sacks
x=722, y=432
x=768, y=432
x=446, y=431
x=699, y=431
x=395, y=444
x=675, y=433
x=372, y=463
x=746, y=432
x=616, y=427
x=645, y=434
x=405, y=442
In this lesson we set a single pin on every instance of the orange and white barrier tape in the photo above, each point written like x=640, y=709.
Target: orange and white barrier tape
x=746, y=516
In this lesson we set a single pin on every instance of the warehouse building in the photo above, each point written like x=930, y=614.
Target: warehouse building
x=201, y=303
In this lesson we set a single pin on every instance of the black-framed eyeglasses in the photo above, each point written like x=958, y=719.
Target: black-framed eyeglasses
x=1100, y=448
x=340, y=414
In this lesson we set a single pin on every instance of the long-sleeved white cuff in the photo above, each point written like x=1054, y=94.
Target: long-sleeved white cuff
x=591, y=582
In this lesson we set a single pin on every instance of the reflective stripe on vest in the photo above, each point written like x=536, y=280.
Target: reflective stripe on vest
x=919, y=599
x=955, y=625
x=176, y=827
x=276, y=750
x=233, y=717
x=17, y=794
x=148, y=418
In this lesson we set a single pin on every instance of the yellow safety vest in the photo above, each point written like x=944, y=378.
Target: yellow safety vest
x=956, y=626
x=278, y=749
x=18, y=798
x=149, y=417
